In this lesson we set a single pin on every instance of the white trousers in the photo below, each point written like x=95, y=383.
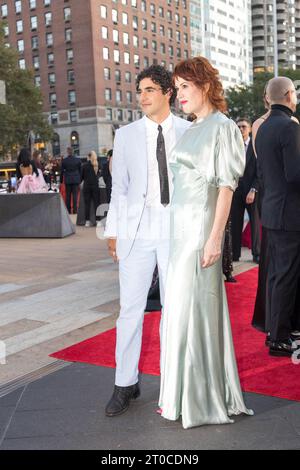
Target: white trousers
x=150, y=247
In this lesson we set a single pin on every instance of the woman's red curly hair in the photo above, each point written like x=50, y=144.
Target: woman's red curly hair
x=200, y=71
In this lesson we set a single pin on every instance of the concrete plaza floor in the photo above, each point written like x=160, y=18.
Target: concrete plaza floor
x=54, y=293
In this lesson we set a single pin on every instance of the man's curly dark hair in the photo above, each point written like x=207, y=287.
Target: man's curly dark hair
x=161, y=76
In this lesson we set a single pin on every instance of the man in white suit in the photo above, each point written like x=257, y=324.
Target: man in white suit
x=138, y=219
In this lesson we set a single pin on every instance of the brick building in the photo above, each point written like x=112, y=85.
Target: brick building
x=86, y=54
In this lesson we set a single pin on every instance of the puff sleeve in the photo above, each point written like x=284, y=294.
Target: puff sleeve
x=230, y=155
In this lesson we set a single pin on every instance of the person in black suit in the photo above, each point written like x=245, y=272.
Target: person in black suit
x=245, y=197
x=106, y=174
x=278, y=159
x=90, y=175
x=70, y=174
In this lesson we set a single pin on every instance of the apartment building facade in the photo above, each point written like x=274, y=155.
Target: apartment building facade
x=221, y=31
x=86, y=54
x=288, y=34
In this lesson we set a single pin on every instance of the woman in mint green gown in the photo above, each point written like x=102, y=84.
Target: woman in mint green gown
x=199, y=377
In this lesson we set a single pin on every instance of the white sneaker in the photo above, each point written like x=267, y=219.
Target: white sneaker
x=88, y=223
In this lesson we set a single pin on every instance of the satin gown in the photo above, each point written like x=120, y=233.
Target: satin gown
x=199, y=377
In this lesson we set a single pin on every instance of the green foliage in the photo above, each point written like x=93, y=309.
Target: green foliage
x=23, y=110
x=247, y=100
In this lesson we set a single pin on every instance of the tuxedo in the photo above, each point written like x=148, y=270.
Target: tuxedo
x=70, y=174
x=278, y=158
x=141, y=226
x=246, y=183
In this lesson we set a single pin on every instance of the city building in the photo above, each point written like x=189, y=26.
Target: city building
x=86, y=55
x=288, y=34
x=221, y=31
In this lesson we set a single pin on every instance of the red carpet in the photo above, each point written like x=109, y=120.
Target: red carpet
x=259, y=372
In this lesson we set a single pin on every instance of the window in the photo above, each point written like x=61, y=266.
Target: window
x=143, y=6
x=4, y=10
x=48, y=19
x=106, y=73
x=146, y=62
x=185, y=38
x=37, y=81
x=70, y=55
x=169, y=15
x=129, y=96
x=19, y=26
x=103, y=12
x=49, y=39
x=105, y=52
x=71, y=76
x=47, y=3
x=22, y=64
x=6, y=30
x=129, y=116
x=52, y=99
x=162, y=48
x=114, y=15
x=107, y=94
x=50, y=58
x=51, y=79
x=145, y=43
x=104, y=30
x=184, y=20
x=161, y=12
x=135, y=22
x=124, y=18
x=126, y=39
x=128, y=77
x=75, y=143
x=73, y=115
x=162, y=30
x=118, y=96
x=68, y=35
x=136, y=60
x=67, y=14
x=152, y=9
x=116, y=56
x=116, y=36
x=144, y=25
x=118, y=75
x=171, y=52
x=108, y=114
x=135, y=41
x=153, y=27
x=21, y=45
x=33, y=23
x=54, y=118
x=154, y=46
x=126, y=58
x=36, y=62
x=178, y=52
x=72, y=97
x=134, y=3
x=120, y=114
x=32, y=4
x=178, y=36
x=18, y=6
x=177, y=18
x=34, y=42
x=170, y=33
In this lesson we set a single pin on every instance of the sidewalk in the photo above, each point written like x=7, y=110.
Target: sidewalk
x=54, y=293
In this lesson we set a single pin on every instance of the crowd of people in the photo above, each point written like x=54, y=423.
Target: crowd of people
x=36, y=174
x=194, y=181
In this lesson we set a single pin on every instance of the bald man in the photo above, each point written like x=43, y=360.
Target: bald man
x=278, y=160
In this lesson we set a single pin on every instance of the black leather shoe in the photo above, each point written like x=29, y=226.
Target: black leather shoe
x=282, y=348
x=268, y=340
x=230, y=279
x=120, y=400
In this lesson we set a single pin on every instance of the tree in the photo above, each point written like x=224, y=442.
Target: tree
x=247, y=100
x=23, y=110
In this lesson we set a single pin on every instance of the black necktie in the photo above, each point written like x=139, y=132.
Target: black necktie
x=162, y=167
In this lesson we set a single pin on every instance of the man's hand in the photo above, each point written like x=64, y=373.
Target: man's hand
x=250, y=197
x=111, y=244
x=212, y=252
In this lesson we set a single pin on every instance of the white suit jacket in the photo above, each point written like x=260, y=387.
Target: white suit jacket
x=129, y=182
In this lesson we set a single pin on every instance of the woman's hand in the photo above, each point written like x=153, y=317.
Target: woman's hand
x=212, y=252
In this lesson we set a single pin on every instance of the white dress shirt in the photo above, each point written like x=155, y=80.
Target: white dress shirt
x=168, y=130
